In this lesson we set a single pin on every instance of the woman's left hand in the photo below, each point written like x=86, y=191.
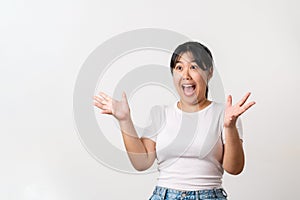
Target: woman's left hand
x=233, y=112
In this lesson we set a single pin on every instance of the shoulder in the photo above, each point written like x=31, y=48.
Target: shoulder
x=158, y=112
x=216, y=106
x=158, y=109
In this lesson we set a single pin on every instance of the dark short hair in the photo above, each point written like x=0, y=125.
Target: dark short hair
x=202, y=55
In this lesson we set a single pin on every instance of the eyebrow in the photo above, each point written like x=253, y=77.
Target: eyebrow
x=178, y=61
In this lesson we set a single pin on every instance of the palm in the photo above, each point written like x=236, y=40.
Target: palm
x=232, y=112
x=119, y=109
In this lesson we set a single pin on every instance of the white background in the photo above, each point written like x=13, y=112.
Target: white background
x=43, y=44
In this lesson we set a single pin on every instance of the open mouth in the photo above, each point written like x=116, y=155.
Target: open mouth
x=188, y=89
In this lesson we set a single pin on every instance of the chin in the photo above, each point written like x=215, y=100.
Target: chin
x=190, y=100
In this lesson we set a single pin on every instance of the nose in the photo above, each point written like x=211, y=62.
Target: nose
x=186, y=74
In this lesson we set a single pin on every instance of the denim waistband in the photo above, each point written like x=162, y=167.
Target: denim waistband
x=199, y=194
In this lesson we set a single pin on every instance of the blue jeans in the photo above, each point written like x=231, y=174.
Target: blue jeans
x=161, y=193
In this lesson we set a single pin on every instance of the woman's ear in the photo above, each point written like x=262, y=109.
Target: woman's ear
x=210, y=72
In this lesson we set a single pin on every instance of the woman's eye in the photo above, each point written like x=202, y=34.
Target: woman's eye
x=194, y=67
x=178, y=67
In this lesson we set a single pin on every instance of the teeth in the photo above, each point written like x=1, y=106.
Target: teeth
x=187, y=85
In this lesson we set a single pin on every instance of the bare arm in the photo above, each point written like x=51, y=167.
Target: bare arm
x=141, y=151
x=234, y=159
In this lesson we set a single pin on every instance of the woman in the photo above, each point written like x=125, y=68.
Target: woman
x=194, y=140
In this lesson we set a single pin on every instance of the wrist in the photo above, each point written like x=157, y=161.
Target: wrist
x=125, y=121
x=230, y=123
x=230, y=127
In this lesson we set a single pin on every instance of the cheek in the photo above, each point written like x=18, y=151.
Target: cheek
x=176, y=78
x=200, y=77
x=176, y=82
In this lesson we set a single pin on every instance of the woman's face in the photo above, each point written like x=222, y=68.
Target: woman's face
x=189, y=79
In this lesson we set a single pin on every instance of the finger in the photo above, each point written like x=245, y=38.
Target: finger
x=124, y=97
x=229, y=101
x=249, y=105
x=246, y=107
x=105, y=96
x=100, y=105
x=98, y=95
x=106, y=112
x=100, y=100
x=244, y=99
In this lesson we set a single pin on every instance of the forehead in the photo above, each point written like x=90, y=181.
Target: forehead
x=186, y=57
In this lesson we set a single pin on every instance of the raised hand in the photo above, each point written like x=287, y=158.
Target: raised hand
x=119, y=109
x=233, y=112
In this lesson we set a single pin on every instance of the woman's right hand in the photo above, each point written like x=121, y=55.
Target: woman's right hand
x=119, y=109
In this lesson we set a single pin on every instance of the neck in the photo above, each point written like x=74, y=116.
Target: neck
x=188, y=107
